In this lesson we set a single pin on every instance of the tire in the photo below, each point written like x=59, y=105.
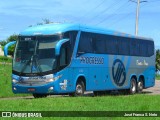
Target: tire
x=80, y=88
x=140, y=86
x=39, y=95
x=133, y=86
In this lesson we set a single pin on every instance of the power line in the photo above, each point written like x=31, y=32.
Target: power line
x=115, y=21
x=103, y=11
x=112, y=13
x=97, y=6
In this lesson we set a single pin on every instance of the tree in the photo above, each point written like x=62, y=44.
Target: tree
x=157, y=60
x=44, y=21
x=11, y=38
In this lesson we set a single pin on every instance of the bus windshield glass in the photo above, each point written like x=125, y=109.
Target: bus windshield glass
x=35, y=54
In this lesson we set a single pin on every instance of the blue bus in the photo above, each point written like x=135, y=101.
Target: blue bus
x=72, y=58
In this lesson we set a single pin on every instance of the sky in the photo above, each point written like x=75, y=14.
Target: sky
x=118, y=15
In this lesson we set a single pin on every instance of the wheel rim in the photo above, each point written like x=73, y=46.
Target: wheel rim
x=133, y=88
x=140, y=86
x=79, y=89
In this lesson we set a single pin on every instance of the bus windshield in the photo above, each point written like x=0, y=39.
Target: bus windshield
x=35, y=54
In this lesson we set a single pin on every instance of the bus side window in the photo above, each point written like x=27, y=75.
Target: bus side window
x=65, y=55
x=134, y=47
x=85, y=43
x=150, y=48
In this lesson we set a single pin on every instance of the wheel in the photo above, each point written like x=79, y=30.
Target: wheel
x=39, y=95
x=140, y=86
x=80, y=88
x=133, y=86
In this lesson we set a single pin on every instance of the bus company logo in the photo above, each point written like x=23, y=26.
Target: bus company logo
x=118, y=72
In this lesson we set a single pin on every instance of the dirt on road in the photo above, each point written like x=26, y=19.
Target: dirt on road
x=153, y=90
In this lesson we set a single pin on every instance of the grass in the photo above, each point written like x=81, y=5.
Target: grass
x=157, y=77
x=4, y=59
x=104, y=103
x=5, y=82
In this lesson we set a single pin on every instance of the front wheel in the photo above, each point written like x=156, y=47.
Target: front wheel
x=80, y=88
x=39, y=95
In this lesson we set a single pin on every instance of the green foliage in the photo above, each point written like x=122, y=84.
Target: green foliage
x=157, y=77
x=11, y=38
x=103, y=103
x=157, y=60
x=4, y=59
x=3, y=42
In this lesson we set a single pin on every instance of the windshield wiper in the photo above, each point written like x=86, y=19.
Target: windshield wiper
x=35, y=57
x=25, y=65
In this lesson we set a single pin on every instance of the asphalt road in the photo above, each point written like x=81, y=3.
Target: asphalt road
x=149, y=91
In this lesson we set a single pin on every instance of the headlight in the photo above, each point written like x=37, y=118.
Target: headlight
x=14, y=81
x=53, y=79
x=50, y=80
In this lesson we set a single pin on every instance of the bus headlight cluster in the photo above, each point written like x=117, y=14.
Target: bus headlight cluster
x=53, y=79
x=14, y=81
x=50, y=80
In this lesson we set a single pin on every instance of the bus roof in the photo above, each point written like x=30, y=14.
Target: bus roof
x=56, y=28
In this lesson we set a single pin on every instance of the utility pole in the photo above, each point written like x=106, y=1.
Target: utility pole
x=137, y=17
x=137, y=14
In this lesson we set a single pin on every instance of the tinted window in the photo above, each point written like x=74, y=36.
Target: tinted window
x=143, y=48
x=99, y=44
x=123, y=46
x=85, y=43
x=111, y=45
x=72, y=36
x=134, y=47
x=108, y=44
x=150, y=48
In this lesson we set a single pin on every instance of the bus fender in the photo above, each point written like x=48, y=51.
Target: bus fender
x=132, y=75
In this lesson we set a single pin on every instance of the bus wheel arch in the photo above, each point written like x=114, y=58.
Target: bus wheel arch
x=140, y=84
x=80, y=87
x=83, y=79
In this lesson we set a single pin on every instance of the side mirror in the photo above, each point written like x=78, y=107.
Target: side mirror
x=6, y=47
x=58, y=46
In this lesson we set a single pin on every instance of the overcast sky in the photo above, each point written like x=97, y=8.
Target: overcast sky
x=119, y=15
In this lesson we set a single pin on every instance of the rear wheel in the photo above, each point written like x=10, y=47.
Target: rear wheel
x=80, y=88
x=133, y=86
x=140, y=86
x=39, y=95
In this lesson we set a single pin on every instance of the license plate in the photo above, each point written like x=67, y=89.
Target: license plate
x=31, y=89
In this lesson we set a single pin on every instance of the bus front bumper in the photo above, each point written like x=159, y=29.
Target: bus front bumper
x=43, y=89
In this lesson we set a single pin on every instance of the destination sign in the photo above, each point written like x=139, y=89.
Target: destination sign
x=27, y=38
